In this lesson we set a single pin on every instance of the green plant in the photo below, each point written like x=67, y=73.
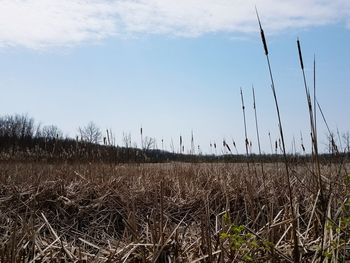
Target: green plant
x=242, y=245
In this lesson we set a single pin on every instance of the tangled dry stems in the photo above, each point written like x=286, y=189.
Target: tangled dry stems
x=165, y=213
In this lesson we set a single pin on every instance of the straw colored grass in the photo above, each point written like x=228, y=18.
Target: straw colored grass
x=165, y=213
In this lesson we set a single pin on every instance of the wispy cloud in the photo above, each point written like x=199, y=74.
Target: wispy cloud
x=45, y=23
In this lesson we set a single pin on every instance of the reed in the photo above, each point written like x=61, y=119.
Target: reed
x=296, y=254
x=246, y=142
x=258, y=139
x=323, y=204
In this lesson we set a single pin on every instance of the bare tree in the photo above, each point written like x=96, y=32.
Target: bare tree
x=346, y=139
x=90, y=133
x=127, y=140
x=20, y=126
x=51, y=132
x=149, y=143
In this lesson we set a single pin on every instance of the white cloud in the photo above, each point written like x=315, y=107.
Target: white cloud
x=45, y=23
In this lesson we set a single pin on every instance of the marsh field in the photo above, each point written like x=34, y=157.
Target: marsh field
x=78, y=200
x=173, y=212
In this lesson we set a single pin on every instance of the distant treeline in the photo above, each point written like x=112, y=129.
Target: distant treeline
x=22, y=140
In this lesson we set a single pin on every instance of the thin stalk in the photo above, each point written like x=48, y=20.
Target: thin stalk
x=340, y=143
x=302, y=142
x=312, y=121
x=294, y=147
x=245, y=125
x=245, y=131
x=141, y=133
x=192, y=143
x=261, y=162
x=323, y=204
x=180, y=144
x=161, y=213
x=315, y=111
x=308, y=98
x=258, y=138
x=108, y=139
x=271, y=143
x=296, y=254
x=256, y=122
x=234, y=145
x=323, y=117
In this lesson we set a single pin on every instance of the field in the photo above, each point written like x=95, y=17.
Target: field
x=78, y=200
x=172, y=212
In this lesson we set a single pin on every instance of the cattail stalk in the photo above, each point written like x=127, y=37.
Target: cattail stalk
x=315, y=111
x=192, y=144
x=234, y=145
x=141, y=133
x=256, y=122
x=323, y=204
x=180, y=144
x=258, y=138
x=108, y=139
x=334, y=146
x=270, y=142
x=245, y=131
x=308, y=98
x=245, y=125
x=296, y=253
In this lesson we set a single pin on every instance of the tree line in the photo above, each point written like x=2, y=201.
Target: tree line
x=21, y=138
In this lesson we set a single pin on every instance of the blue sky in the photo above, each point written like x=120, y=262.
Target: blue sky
x=173, y=68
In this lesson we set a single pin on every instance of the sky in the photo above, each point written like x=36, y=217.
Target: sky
x=176, y=67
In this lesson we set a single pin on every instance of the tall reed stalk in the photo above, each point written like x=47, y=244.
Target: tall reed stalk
x=296, y=254
x=270, y=143
x=258, y=138
x=333, y=144
x=245, y=125
x=256, y=122
x=322, y=204
x=141, y=134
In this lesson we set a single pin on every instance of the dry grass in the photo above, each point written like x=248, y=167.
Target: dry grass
x=166, y=213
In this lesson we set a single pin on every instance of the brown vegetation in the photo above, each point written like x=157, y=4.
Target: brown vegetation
x=168, y=213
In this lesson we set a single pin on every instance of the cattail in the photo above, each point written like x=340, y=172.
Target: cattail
x=296, y=253
x=276, y=146
x=262, y=34
x=300, y=55
x=192, y=143
x=245, y=125
x=323, y=206
x=226, y=145
x=141, y=137
x=315, y=111
x=180, y=144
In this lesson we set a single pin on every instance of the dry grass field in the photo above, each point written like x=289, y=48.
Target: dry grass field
x=174, y=212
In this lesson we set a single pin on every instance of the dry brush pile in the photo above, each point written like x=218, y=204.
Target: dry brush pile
x=170, y=213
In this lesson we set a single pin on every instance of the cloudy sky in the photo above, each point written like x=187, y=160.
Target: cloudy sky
x=173, y=66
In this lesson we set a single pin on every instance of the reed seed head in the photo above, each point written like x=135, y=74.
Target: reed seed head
x=300, y=55
x=262, y=33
